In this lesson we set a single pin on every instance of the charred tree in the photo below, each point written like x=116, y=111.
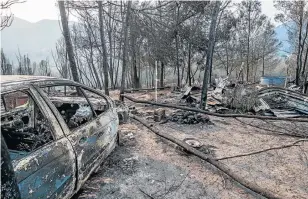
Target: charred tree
x=248, y=40
x=126, y=25
x=135, y=78
x=189, y=63
x=209, y=55
x=299, y=58
x=103, y=43
x=177, y=43
x=162, y=74
x=111, y=57
x=68, y=42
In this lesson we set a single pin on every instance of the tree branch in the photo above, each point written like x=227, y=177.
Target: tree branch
x=264, y=150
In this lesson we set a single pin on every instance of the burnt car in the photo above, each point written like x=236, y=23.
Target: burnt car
x=54, y=134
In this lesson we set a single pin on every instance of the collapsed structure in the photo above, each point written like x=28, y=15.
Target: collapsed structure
x=257, y=99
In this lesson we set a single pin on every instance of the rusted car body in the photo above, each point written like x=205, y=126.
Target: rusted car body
x=55, y=138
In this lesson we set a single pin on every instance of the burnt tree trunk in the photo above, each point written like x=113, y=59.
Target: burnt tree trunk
x=91, y=64
x=133, y=51
x=103, y=43
x=299, y=50
x=126, y=24
x=177, y=61
x=189, y=67
x=263, y=63
x=111, y=66
x=118, y=64
x=139, y=68
x=305, y=62
x=248, y=40
x=227, y=55
x=209, y=55
x=162, y=74
x=177, y=46
x=68, y=42
x=306, y=55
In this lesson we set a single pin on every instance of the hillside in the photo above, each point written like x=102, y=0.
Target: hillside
x=35, y=39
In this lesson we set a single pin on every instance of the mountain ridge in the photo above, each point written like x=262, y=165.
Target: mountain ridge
x=35, y=39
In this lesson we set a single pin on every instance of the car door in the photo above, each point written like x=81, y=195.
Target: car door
x=106, y=123
x=85, y=129
x=42, y=157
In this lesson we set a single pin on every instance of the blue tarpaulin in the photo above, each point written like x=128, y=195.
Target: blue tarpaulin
x=273, y=80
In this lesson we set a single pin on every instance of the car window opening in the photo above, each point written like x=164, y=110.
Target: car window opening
x=74, y=106
x=99, y=103
x=23, y=125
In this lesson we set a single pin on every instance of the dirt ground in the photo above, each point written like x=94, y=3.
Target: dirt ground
x=146, y=166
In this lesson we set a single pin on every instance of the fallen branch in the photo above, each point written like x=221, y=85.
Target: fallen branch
x=215, y=114
x=146, y=194
x=275, y=132
x=264, y=150
x=253, y=187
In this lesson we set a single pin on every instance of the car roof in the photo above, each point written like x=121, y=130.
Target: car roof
x=4, y=79
x=13, y=82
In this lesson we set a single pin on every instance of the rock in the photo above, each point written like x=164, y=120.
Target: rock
x=159, y=114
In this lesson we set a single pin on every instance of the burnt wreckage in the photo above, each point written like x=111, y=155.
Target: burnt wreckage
x=54, y=134
x=284, y=102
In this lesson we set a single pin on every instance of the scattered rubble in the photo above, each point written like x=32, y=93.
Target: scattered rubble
x=285, y=113
x=242, y=97
x=231, y=99
x=294, y=88
x=189, y=96
x=284, y=102
x=261, y=105
x=254, y=99
x=191, y=90
x=188, y=117
x=220, y=85
x=127, y=138
x=206, y=112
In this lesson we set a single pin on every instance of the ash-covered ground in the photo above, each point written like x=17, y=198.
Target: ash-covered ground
x=147, y=166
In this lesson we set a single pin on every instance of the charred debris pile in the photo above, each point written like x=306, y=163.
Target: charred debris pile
x=251, y=99
x=189, y=117
x=229, y=98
